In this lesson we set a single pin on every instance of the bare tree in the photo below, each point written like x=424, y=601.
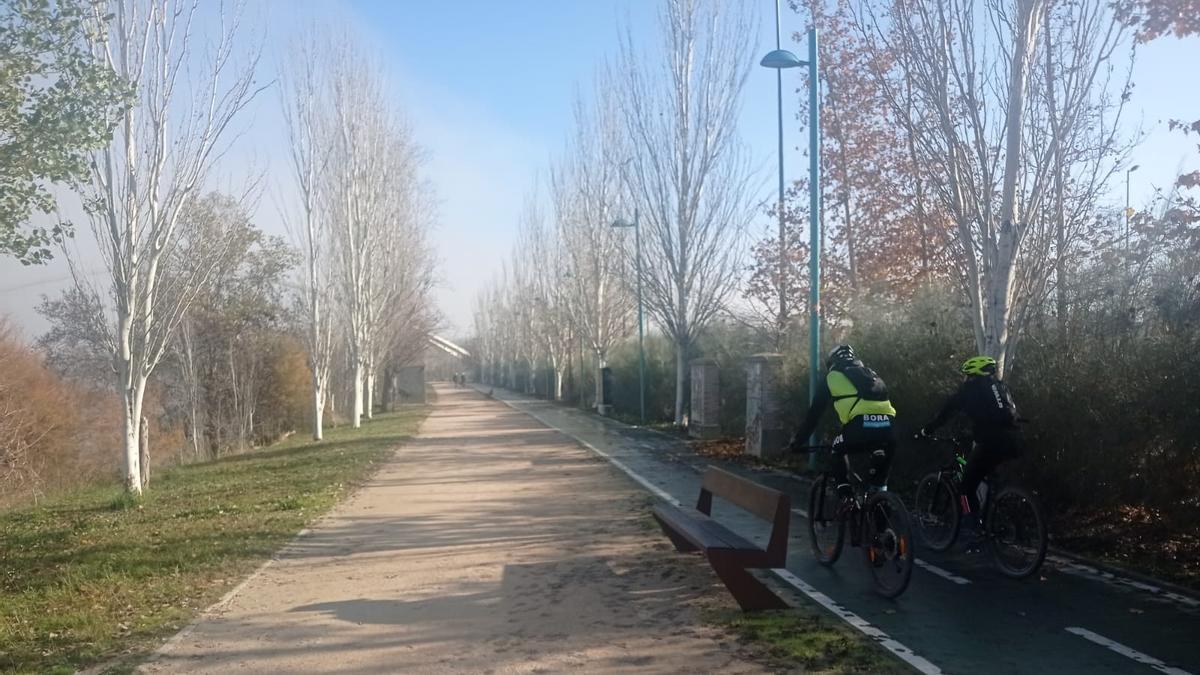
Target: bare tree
x=552, y=291
x=399, y=304
x=162, y=152
x=1005, y=147
x=303, y=89
x=586, y=190
x=364, y=164
x=688, y=175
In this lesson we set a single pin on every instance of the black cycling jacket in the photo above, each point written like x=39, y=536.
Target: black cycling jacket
x=978, y=399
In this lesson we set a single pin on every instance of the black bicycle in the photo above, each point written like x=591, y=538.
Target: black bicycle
x=1014, y=529
x=877, y=521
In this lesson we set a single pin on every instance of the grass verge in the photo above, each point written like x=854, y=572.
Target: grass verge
x=94, y=576
x=805, y=638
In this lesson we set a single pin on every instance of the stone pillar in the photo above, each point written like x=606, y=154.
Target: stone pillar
x=764, y=418
x=706, y=399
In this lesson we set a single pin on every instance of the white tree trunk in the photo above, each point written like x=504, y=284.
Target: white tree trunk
x=132, y=398
x=318, y=409
x=369, y=393
x=356, y=418
x=599, y=375
x=680, y=380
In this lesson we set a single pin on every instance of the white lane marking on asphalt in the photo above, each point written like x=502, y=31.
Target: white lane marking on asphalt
x=943, y=573
x=909, y=656
x=1127, y=652
x=1088, y=572
x=923, y=564
x=904, y=653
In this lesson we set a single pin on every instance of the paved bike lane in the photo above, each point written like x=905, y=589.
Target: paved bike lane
x=959, y=615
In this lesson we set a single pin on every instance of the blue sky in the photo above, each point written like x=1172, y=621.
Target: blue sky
x=488, y=87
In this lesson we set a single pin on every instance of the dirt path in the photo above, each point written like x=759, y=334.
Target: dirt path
x=490, y=544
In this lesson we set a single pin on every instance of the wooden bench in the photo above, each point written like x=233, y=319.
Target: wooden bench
x=729, y=553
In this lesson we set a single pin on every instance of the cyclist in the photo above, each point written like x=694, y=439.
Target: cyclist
x=988, y=403
x=860, y=399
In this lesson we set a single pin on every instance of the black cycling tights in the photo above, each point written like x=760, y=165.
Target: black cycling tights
x=982, y=461
x=880, y=461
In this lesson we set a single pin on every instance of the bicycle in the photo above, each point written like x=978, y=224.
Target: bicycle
x=877, y=520
x=1014, y=529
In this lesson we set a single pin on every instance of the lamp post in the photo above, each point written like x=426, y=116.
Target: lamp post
x=1128, y=213
x=779, y=59
x=637, y=238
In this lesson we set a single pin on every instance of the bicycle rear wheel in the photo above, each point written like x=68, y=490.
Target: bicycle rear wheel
x=1016, y=532
x=888, y=543
x=936, y=512
x=826, y=525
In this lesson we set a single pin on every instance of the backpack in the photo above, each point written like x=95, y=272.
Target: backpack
x=868, y=383
x=1001, y=409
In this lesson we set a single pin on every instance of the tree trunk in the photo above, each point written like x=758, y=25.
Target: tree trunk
x=599, y=375
x=559, y=375
x=356, y=419
x=1060, y=234
x=369, y=393
x=318, y=409
x=1002, y=256
x=144, y=450
x=132, y=414
x=680, y=380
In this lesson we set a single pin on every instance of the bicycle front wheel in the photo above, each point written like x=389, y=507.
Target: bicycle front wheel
x=888, y=543
x=826, y=524
x=1016, y=532
x=936, y=512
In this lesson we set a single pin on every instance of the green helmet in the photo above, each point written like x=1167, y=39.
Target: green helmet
x=979, y=365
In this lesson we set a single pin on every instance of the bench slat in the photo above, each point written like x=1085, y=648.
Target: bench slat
x=704, y=531
x=757, y=499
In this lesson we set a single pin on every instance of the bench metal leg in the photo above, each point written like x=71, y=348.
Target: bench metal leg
x=682, y=545
x=749, y=592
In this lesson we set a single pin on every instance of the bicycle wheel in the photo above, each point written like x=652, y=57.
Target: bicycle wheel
x=936, y=512
x=826, y=525
x=1015, y=532
x=888, y=543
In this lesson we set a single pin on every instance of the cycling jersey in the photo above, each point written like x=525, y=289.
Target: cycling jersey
x=985, y=400
x=849, y=405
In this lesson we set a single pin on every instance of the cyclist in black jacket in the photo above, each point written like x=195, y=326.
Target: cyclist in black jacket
x=987, y=401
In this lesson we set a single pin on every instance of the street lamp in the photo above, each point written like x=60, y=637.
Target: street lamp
x=637, y=238
x=1128, y=211
x=779, y=59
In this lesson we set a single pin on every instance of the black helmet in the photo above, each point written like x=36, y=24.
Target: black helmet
x=841, y=355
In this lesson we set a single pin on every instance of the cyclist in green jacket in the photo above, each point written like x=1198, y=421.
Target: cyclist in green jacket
x=860, y=399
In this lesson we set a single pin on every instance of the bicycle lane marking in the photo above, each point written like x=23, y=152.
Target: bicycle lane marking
x=907, y=655
x=1071, y=567
x=923, y=564
x=1126, y=651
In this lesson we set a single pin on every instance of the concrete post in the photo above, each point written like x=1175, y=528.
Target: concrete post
x=706, y=399
x=764, y=419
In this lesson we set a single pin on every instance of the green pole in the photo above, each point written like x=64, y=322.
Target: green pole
x=814, y=219
x=637, y=238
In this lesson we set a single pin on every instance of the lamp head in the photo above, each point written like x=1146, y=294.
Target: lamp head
x=781, y=58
